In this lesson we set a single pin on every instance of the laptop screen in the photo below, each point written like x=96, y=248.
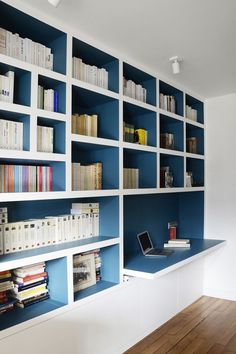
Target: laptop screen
x=145, y=241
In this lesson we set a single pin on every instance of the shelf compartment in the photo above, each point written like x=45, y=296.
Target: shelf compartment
x=58, y=133
x=12, y=20
x=169, y=90
x=93, y=56
x=105, y=107
x=108, y=156
x=58, y=171
x=145, y=162
x=23, y=118
x=196, y=166
x=57, y=285
x=109, y=273
x=22, y=84
x=141, y=118
x=139, y=77
x=176, y=164
x=198, y=133
x=197, y=105
x=153, y=212
x=172, y=126
x=59, y=86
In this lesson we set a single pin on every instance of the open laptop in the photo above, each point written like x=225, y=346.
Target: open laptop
x=147, y=248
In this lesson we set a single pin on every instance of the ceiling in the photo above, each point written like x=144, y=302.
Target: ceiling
x=202, y=32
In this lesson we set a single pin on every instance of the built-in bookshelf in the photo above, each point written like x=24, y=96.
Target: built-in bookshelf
x=113, y=134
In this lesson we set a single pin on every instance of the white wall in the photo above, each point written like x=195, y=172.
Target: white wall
x=220, y=197
x=115, y=321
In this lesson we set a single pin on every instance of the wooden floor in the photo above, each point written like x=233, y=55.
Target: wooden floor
x=207, y=326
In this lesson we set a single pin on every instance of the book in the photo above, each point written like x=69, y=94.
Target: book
x=179, y=240
x=32, y=300
x=84, y=273
x=177, y=245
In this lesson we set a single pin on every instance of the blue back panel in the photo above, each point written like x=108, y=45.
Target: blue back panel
x=59, y=86
x=142, y=78
x=198, y=105
x=167, y=89
x=170, y=125
x=153, y=212
x=57, y=284
x=110, y=263
x=91, y=153
x=176, y=164
x=196, y=166
x=58, y=133
x=141, y=119
x=144, y=161
x=192, y=131
x=113, y=76
x=12, y=20
x=191, y=215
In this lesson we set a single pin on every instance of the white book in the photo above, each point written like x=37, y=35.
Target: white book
x=11, y=76
x=13, y=237
x=6, y=239
x=3, y=41
x=32, y=233
x=74, y=227
x=179, y=240
x=96, y=224
x=177, y=245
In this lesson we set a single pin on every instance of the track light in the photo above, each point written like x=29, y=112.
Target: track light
x=54, y=3
x=175, y=64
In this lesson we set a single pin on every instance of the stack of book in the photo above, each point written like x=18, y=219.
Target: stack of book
x=7, y=87
x=86, y=177
x=178, y=243
x=30, y=285
x=167, y=103
x=89, y=73
x=130, y=178
x=22, y=178
x=86, y=269
x=44, y=139
x=6, y=284
x=47, y=99
x=25, y=49
x=134, y=91
x=191, y=113
x=84, y=124
x=11, y=135
x=167, y=141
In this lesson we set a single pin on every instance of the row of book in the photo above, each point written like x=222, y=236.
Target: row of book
x=11, y=135
x=89, y=73
x=7, y=87
x=191, y=113
x=167, y=103
x=83, y=222
x=22, y=178
x=44, y=139
x=130, y=178
x=25, y=49
x=86, y=269
x=167, y=141
x=132, y=135
x=134, y=90
x=84, y=124
x=191, y=145
x=86, y=177
x=47, y=99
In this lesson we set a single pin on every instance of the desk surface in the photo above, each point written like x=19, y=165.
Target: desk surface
x=152, y=267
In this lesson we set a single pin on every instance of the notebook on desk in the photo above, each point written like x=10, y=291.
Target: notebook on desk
x=147, y=248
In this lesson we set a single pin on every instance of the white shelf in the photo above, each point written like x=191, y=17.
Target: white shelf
x=195, y=156
x=28, y=155
x=94, y=140
x=196, y=124
x=171, y=152
x=51, y=74
x=94, y=88
x=139, y=103
x=138, y=147
x=15, y=108
x=171, y=115
x=51, y=115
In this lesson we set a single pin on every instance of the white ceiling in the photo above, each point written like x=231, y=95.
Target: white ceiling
x=203, y=32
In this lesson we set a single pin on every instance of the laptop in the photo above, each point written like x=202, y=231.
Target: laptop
x=147, y=248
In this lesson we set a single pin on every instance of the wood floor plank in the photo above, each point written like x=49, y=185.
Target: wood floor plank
x=208, y=326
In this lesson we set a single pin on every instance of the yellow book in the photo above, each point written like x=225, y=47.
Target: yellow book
x=142, y=136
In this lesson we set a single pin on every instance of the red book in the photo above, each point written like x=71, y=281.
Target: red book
x=11, y=178
x=33, y=277
x=50, y=178
x=6, y=169
x=39, y=179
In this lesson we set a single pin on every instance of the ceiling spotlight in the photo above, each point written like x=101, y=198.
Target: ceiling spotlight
x=54, y=3
x=175, y=64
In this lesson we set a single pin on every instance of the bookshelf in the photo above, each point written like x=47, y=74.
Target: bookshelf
x=147, y=206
